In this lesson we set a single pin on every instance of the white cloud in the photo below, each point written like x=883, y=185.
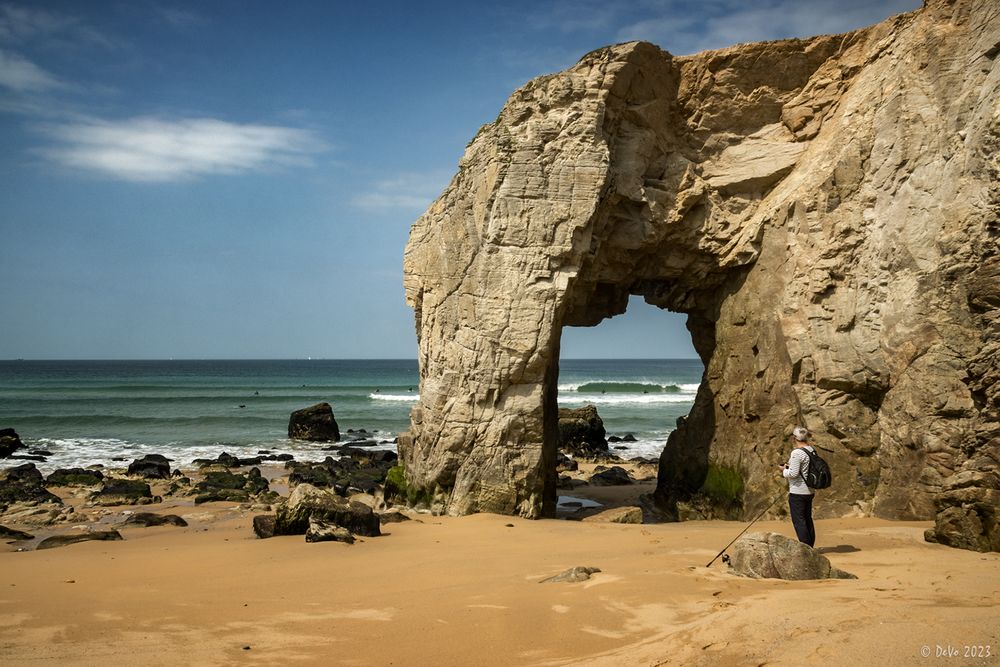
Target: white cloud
x=21, y=75
x=406, y=192
x=155, y=150
x=180, y=18
x=726, y=22
x=20, y=24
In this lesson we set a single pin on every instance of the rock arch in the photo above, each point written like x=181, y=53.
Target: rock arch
x=824, y=211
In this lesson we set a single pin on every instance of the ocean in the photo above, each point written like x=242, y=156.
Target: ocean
x=86, y=412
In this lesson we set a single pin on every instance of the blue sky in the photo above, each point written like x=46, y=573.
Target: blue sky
x=237, y=179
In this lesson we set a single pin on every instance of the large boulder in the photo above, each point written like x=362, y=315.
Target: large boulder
x=774, y=556
x=833, y=247
x=968, y=509
x=10, y=442
x=150, y=466
x=307, y=502
x=314, y=423
x=24, y=484
x=581, y=431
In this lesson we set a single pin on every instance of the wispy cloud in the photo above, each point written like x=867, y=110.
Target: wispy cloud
x=157, y=150
x=721, y=23
x=21, y=24
x=19, y=74
x=406, y=192
x=179, y=18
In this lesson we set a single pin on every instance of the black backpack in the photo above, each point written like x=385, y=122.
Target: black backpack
x=818, y=475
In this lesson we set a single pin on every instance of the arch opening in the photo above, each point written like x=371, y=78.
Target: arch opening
x=639, y=372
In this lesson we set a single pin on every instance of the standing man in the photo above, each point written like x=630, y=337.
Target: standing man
x=800, y=496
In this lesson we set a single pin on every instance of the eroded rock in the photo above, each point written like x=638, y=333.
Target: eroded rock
x=308, y=502
x=834, y=249
x=774, y=556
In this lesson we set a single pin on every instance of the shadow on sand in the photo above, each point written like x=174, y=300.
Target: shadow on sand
x=839, y=549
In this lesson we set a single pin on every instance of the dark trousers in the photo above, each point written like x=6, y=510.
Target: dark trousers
x=800, y=506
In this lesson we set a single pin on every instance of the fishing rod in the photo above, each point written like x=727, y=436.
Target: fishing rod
x=745, y=530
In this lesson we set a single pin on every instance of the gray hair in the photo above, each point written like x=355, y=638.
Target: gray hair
x=800, y=433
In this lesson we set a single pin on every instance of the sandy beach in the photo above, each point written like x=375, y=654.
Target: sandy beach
x=465, y=591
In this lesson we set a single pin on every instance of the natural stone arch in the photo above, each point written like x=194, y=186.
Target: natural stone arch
x=826, y=239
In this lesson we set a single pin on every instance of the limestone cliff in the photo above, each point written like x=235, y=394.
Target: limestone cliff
x=825, y=211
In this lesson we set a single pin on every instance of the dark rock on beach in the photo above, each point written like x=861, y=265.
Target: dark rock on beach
x=315, y=423
x=774, y=556
x=308, y=502
x=11, y=534
x=230, y=487
x=613, y=476
x=565, y=463
x=10, y=442
x=151, y=466
x=63, y=540
x=227, y=460
x=263, y=525
x=357, y=470
x=581, y=431
x=24, y=484
x=118, y=491
x=392, y=516
x=148, y=519
x=74, y=477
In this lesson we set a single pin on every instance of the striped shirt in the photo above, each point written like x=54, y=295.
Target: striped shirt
x=795, y=471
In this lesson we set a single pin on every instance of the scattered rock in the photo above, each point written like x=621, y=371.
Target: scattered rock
x=392, y=516
x=28, y=457
x=358, y=471
x=565, y=463
x=63, y=540
x=118, y=491
x=613, y=476
x=315, y=423
x=10, y=442
x=263, y=525
x=24, y=484
x=74, y=477
x=774, y=556
x=151, y=466
x=617, y=515
x=230, y=487
x=573, y=574
x=227, y=460
x=148, y=519
x=40, y=452
x=11, y=534
x=306, y=502
x=581, y=431
x=321, y=531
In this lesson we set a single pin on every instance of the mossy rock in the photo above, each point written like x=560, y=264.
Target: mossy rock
x=723, y=484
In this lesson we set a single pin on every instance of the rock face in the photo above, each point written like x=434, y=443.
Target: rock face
x=314, y=423
x=825, y=211
x=581, y=431
x=774, y=556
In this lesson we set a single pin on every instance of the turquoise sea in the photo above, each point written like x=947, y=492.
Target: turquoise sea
x=86, y=412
